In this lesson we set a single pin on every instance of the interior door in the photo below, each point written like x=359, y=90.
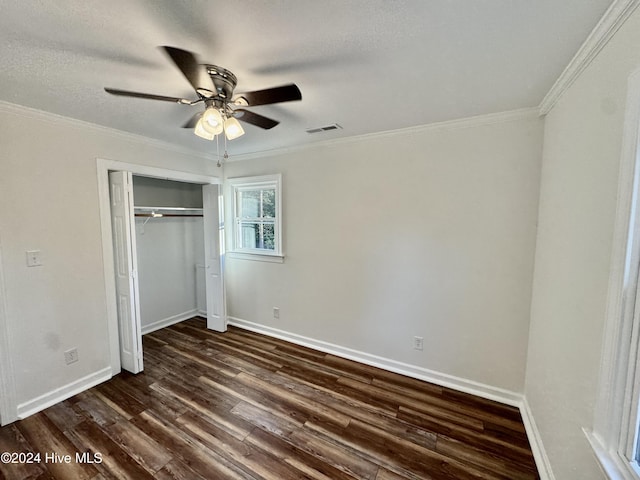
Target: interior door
x=121, y=197
x=216, y=317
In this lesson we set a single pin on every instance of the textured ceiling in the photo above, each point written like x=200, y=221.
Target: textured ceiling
x=368, y=65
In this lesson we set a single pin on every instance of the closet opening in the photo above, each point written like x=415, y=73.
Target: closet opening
x=169, y=234
x=162, y=249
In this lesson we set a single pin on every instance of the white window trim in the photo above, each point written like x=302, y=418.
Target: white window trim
x=275, y=256
x=614, y=434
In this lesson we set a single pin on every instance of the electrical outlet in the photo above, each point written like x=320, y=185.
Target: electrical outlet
x=34, y=258
x=418, y=343
x=276, y=312
x=71, y=356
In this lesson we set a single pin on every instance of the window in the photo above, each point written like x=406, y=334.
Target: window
x=256, y=215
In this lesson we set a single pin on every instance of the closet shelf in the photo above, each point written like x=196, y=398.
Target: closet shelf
x=158, y=212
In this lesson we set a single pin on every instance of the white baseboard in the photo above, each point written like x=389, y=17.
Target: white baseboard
x=461, y=384
x=445, y=380
x=166, y=322
x=420, y=373
x=535, y=440
x=59, y=394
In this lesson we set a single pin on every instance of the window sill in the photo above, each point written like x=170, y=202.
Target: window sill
x=614, y=467
x=256, y=257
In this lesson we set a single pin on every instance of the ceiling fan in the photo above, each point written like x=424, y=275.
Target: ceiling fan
x=214, y=87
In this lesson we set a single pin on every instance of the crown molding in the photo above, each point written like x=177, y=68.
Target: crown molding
x=615, y=16
x=56, y=119
x=479, y=120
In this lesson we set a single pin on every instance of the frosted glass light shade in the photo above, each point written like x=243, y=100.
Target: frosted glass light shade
x=203, y=132
x=212, y=120
x=232, y=128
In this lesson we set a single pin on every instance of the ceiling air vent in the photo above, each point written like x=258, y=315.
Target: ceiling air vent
x=326, y=128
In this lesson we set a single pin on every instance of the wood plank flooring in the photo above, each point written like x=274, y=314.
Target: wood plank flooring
x=240, y=405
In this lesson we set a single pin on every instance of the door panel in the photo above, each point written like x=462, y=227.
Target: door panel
x=216, y=315
x=121, y=198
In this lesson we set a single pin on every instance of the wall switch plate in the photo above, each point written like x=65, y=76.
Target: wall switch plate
x=418, y=343
x=276, y=312
x=71, y=356
x=34, y=258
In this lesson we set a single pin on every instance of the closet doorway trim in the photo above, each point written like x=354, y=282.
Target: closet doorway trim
x=103, y=168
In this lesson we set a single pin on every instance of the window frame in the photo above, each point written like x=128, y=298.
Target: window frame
x=240, y=184
x=616, y=427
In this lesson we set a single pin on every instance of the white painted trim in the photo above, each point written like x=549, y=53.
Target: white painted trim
x=489, y=392
x=55, y=119
x=8, y=407
x=103, y=168
x=535, y=440
x=611, y=21
x=256, y=257
x=108, y=266
x=611, y=464
x=239, y=183
x=158, y=172
x=59, y=394
x=610, y=429
x=255, y=181
x=167, y=322
x=469, y=122
x=445, y=380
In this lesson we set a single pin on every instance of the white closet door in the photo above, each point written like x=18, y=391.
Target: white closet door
x=216, y=317
x=122, y=223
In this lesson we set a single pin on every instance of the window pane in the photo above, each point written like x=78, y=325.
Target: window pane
x=249, y=235
x=269, y=203
x=249, y=203
x=256, y=225
x=257, y=235
x=268, y=234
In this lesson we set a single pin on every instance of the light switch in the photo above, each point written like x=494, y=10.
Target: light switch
x=34, y=258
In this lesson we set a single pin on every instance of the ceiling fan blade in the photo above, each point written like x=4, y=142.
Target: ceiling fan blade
x=125, y=93
x=193, y=120
x=285, y=93
x=255, y=119
x=192, y=70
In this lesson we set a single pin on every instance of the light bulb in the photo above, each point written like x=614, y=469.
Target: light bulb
x=203, y=132
x=212, y=120
x=232, y=128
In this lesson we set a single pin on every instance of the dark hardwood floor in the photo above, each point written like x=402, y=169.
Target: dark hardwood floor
x=244, y=406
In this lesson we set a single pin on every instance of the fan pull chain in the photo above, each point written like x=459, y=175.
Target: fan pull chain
x=218, y=150
x=226, y=155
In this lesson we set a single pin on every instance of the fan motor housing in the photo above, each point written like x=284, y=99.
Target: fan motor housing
x=224, y=80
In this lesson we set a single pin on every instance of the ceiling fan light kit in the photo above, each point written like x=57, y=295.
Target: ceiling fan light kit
x=214, y=87
x=232, y=128
x=212, y=120
x=202, y=132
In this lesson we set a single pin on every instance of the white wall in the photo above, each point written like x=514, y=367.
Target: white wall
x=428, y=232
x=156, y=192
x=168, y=248
x=582, y=146
x=49, y=202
